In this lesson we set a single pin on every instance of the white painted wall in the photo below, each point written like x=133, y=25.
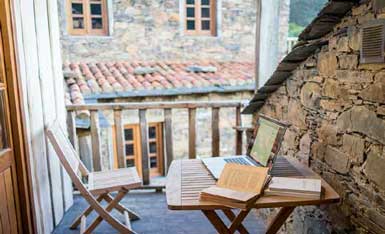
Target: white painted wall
x=38, y=51
x=269, y=42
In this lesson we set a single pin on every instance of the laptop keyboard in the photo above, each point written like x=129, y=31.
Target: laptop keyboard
x=241, y=161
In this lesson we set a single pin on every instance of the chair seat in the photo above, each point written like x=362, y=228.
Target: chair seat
x=114, y=180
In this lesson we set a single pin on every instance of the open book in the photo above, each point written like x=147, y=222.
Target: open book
x=238, y=186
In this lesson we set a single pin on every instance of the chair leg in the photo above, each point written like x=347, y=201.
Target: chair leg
x=133, y=216
x=108, y=208
x=85, y=213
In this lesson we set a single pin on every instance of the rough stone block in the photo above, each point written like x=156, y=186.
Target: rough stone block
x=355, y=38
x=327, y=64
x=376, y=91
x=327, y=133
x=334, y=105
x=348, y=61
x=304, y=148
x=296, y=115
x=375, y=165
x=354, y=146
x=348, y=76
x=381, y=110
x=333, y=89
x=310, y=95
x=343, y=44
x=337, y=160
x=361, y=119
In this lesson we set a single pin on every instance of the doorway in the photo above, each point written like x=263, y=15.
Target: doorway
x=16, y=213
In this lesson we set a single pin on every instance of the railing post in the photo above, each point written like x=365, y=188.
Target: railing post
x=144, y=144
x=192, y=134
x=119, y=139
x=168, y=137
x=71, y=125
x=215, y=141
x=95, y=141
x=238, y=132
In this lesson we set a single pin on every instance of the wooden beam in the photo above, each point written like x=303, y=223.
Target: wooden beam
x=258, y=42
x=155, y=105
x=119, y=139
x=168, y=137
x=95, y=140
x=144, y=144
x=192, y=133
x=238, y=134
x=71, y=125
x=215, y=136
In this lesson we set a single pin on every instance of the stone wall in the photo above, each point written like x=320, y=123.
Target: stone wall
x=151, y=30
x=337, y=109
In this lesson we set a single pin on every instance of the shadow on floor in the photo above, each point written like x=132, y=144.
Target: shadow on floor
x=156, y=218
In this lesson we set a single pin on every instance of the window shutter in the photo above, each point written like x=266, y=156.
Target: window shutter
x=372, y=45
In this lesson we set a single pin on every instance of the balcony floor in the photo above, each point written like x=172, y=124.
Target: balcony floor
x=156, y=218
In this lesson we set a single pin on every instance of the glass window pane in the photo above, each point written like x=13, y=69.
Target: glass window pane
x=3, y=133
x=205, y=2
x=206, y=12
x=152, y=147
x=190, y=12
x=190, y=2
x=130, y=162
x=77, y=8
x=96, y=9
x=190, y=25
x=152, y=132
x=129, y=149
x=205, y=25
x=97, y=23
x=78, y=22
x=153, y=162
x=129, y=134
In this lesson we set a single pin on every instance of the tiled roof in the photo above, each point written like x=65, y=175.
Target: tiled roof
x=129, y=79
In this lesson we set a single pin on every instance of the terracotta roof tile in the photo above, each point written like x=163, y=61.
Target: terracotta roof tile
x=87, y=79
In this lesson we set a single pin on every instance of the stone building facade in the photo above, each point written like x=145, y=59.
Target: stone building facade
x=153, y=30
x=336, y=106
x=150, y=30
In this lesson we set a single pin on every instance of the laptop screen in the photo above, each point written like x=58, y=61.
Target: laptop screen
x=264, y=141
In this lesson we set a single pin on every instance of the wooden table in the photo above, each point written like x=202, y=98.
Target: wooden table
x=186, y=178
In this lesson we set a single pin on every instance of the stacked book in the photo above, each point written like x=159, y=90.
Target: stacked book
x=295, y=187
x=239, y=186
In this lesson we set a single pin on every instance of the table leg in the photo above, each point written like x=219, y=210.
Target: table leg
x=231, y=216
x=279, y=220
x=238, y=220
x=213, y=217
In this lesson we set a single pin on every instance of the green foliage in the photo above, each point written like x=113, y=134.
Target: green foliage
x=302, y=12
x=295, y=29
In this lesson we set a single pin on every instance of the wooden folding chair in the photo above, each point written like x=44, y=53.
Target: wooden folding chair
x=99, y=187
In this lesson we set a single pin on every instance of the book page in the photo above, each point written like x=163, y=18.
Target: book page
x=243, y=178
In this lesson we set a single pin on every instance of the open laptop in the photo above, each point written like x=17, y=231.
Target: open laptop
x=269, y=133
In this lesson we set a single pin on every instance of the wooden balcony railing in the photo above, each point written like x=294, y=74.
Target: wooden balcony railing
x=118, y=108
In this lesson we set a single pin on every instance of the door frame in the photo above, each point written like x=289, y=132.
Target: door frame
x=21, y=154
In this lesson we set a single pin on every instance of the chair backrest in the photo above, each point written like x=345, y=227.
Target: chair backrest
x=268, y=136
x=66, y=153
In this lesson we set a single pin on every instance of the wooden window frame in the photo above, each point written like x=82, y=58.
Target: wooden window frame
x=198, y=19
x=159, y=170
x=87, y=30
